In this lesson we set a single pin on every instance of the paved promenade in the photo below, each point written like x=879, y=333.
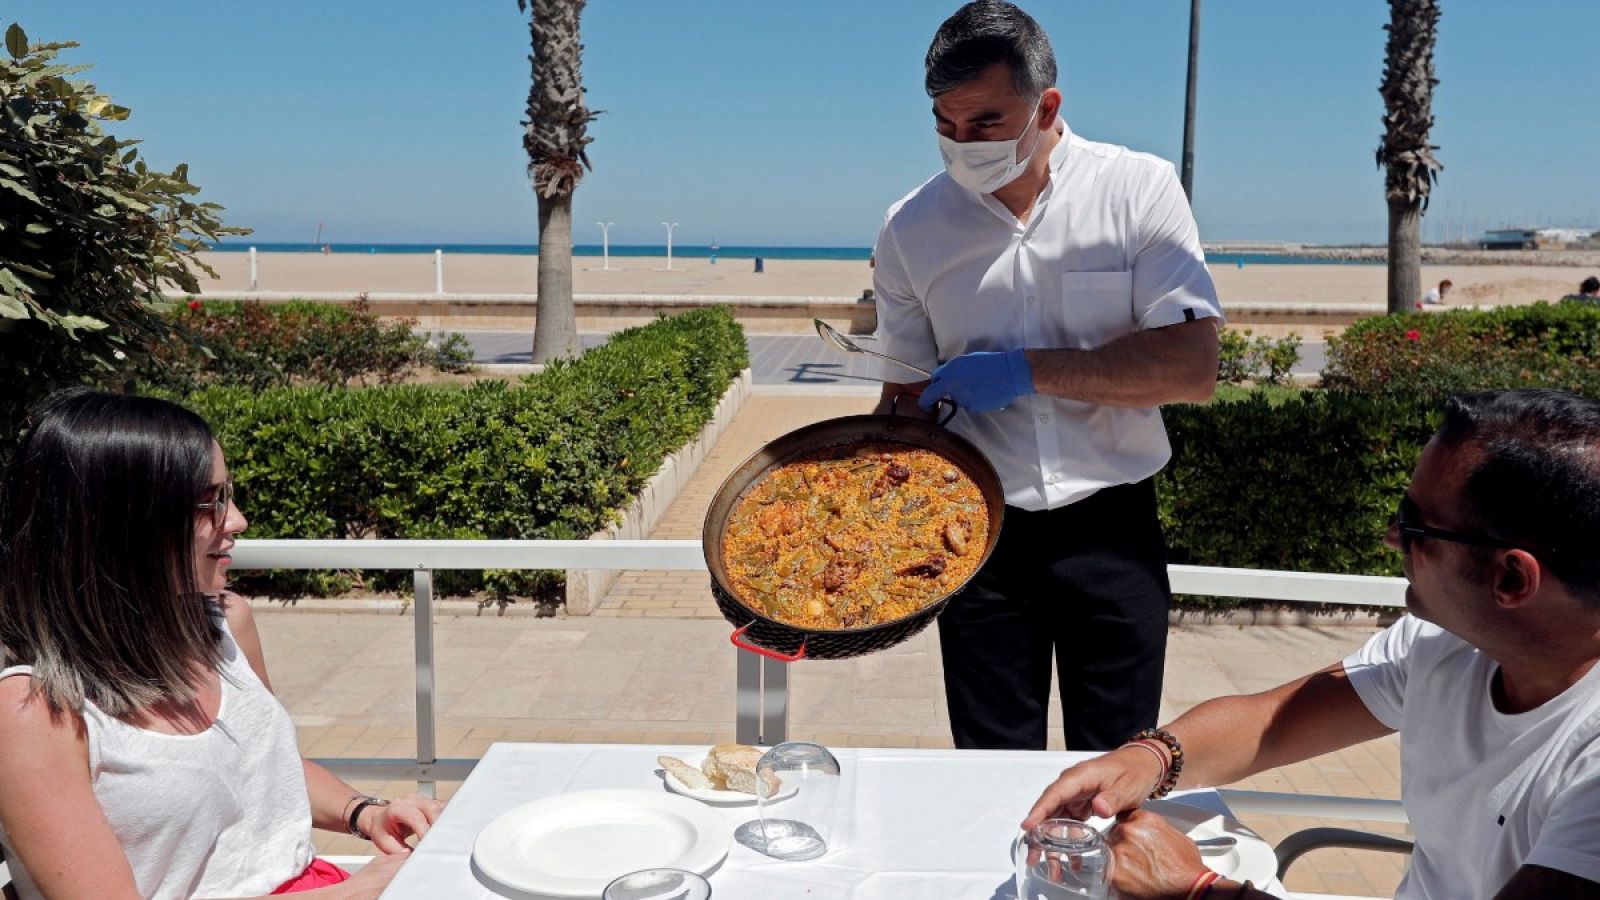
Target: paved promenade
x=798, y=361
x=654, y=665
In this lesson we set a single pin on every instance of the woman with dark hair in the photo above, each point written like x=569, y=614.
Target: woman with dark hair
x=142, y=753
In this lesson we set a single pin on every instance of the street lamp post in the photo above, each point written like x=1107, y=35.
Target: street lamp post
x=605, y=244
x=670, y=226
x=1186, y=175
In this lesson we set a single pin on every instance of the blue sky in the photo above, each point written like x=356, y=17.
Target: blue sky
x=798, y=123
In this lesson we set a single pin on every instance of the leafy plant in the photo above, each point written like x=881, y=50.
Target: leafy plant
x=1261, y=360
x=88, y=233
x=1542, y=345
x=273, y=345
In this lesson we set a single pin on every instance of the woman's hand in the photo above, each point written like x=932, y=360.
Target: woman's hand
x=1151, y=859
x=1103, y=786
x=391, y=826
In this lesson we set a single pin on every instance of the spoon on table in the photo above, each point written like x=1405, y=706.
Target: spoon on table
x=833, y=338
x=1215, y=844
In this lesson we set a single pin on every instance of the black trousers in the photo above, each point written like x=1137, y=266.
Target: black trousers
x=1086, y=584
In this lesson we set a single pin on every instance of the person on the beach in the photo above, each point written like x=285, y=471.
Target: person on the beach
x=1491, y=680
x=1435, y=296
x=142, y=753
x=1588, y=291
x=1056, y=288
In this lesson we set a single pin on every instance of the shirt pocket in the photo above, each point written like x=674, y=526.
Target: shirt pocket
x=1096, y=308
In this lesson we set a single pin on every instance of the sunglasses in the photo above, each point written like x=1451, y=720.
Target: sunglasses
x=1407, y=522
x=219, y=506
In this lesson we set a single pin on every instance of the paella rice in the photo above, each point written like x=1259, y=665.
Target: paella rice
x=855, y=534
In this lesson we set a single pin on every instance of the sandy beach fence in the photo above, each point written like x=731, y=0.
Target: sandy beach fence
x=490, y=291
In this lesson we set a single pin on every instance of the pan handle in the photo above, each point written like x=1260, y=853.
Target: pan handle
x=770, y=654
x=894, y=404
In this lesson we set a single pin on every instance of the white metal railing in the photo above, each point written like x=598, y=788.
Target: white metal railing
x=761, y=704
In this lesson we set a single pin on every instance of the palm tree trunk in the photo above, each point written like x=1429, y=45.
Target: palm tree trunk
x=1405, y=255
x=555, y=331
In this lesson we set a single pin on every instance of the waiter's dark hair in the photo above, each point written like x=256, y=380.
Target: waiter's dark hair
x=1589, y=285
x=1535, y=478
x=97, y=531
x=983, y=33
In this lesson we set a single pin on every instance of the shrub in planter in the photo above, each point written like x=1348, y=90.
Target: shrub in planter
x=554, y=456
x=1305, y=483
x=1259, y=360
x=1542, y=345
x=270, y=345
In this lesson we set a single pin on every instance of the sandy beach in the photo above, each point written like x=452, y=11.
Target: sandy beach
x=1481, y=285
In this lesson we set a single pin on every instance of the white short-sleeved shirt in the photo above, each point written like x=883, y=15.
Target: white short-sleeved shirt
x=1485, y=792
x=1109, y=248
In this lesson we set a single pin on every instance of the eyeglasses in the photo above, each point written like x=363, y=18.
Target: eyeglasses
x=219, y=506
x=1407, y=522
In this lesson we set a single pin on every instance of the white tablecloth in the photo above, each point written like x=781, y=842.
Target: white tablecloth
x=916, y=824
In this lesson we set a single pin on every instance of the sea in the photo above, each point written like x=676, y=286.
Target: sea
x=690, y=251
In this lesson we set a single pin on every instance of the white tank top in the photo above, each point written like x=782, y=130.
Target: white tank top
x=223, y=813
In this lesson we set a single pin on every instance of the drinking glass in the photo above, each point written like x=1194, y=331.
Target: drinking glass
x=797, y=787
x=658, y=884
x=1060, y=859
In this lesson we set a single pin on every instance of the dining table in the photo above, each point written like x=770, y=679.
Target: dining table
x=909, y=824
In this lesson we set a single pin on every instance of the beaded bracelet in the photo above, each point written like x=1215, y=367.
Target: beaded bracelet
x=1174, y=752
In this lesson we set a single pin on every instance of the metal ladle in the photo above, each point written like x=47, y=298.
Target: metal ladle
x=833, y=338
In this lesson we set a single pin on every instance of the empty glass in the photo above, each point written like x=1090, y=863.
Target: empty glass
x=658, y=884
x=797, y=788
x=1060, y=859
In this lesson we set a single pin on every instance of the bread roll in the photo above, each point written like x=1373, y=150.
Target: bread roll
x=735, y=766
x=691, y=777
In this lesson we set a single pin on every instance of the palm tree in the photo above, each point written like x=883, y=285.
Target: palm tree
x=1405, y=154
x=557, y=132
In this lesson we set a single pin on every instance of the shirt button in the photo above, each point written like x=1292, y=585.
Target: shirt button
x=1044, y=417
x=1054, y=478
x=1030, y=298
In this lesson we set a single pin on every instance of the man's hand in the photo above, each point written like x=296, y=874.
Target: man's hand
x=1151, y=859
x=1103, y=786
x=980, y=382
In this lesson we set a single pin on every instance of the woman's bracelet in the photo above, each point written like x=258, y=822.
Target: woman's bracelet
x=1174, y=769
x=344, y=814
x=352, y=822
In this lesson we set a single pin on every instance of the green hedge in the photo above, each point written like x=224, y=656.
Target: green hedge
x=1542, y=345
x=1306, y=482
x=555, y=456
x=262, y=345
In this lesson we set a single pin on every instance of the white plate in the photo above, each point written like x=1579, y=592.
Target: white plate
x=573, y=845
x=715, y=796
x=1251, y=858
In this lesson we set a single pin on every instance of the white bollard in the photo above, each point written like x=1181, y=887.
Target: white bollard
x=438, y=271
x=253, y=269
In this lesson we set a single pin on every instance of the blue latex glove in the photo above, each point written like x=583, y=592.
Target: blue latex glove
x=980, y=382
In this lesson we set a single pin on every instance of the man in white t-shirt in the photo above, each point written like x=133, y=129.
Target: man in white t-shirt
x=1056, y=289
x=1491, y=680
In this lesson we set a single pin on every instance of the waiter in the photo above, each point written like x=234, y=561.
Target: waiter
x=1056, y=288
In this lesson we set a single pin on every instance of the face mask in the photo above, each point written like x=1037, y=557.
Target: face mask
x=984, y=167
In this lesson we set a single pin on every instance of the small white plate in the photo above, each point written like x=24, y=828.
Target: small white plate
x=715, y=796
x=573, y=845
x=1251, y=858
